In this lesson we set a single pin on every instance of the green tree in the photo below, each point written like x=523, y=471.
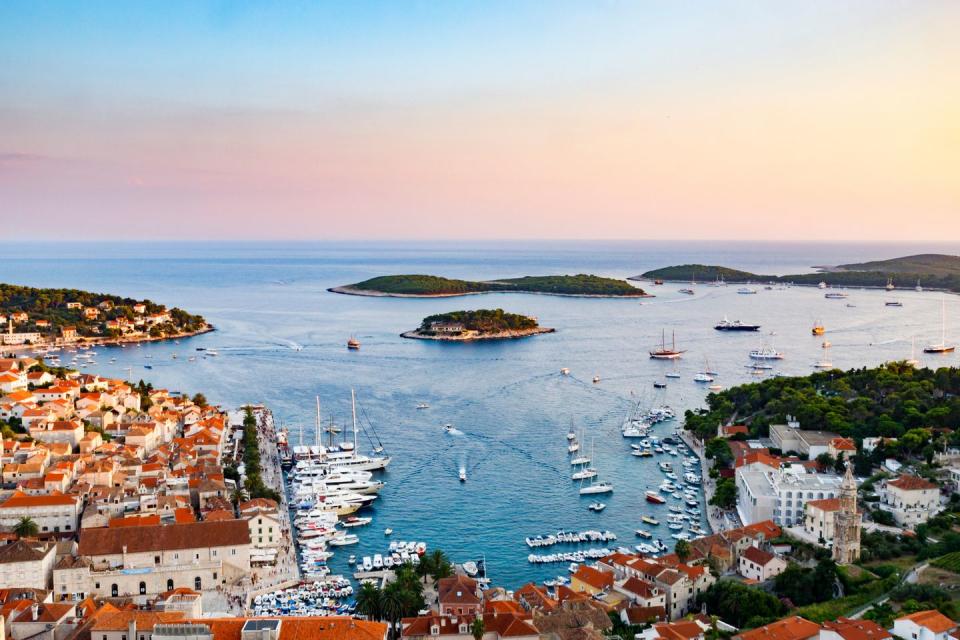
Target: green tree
x=26, y=528
x=440, y=565
x=682, y=549
x=824, y=462
x=718, y=450
x=725, y=495
x=477, y=628
x=739, y=604
x=199, y=399
x=370, y=601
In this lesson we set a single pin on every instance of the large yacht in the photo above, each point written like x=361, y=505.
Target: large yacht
x=735, y=325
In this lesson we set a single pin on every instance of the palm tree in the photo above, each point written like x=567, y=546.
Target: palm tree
x=425, y=567
x=370, y=601
x=395, y=600
x=26, y=528
x=682, y=550
x=440, y=565
x=477, y=629
x=238, y=495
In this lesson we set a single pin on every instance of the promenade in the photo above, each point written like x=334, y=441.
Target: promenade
x=718, y=519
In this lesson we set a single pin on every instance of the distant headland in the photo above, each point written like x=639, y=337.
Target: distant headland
x=427, y=286
x=32, y=317
x=480, y=324
x=931, y=271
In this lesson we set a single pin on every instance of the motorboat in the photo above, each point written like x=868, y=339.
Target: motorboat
x=597, y=506
x=354, y=521
x=599, y=487
x=388, y=531
x=643, y=534
x=818, y=329
x=345, y=540
x=702, y=377
x=565, y=371
x=470, y=568
x=353, y=344
x=423, y=405
x=580, y=460
x=893, y=303
x=659, y=385
x=650, y=520
x=835, y=295
x=746, y=291
x=654, y=497
x=448, y=428
x=596, y=379
x=463, y=474
x=766, y=353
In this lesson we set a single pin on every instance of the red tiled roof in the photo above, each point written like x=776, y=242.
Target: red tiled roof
x=593, y=577
x=911, y=483
x=792, y=628
x=931, y=619
x=757, y=556
x=827, y=504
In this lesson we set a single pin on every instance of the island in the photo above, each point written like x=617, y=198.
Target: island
x=931, y=271
x=479, y=324
x=427, y=286
x=35, y=318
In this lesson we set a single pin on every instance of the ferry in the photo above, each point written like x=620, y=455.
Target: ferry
x=735, y=325
x=766, y=353
x=835, y=296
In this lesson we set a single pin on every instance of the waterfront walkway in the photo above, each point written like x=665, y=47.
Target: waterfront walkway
x=718, y=519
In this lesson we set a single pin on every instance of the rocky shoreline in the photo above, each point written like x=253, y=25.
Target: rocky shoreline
x=472, y=336
x=350, y=291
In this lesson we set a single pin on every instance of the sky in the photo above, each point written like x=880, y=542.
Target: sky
x=821, y=121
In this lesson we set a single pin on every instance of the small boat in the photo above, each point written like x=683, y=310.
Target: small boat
x=573, y=447
x=746, y=291
x=836, y=295
x=463, y=474
x=893, y=303
x=597, y=506
x=353, y=343
x=571, y=435
x=422, y=405
x=584, y=474
x=822, y=285
x=673, y=374
x=146, y=366
x=345, y=540
x=596, y=379
x=354, y=521
x=650, y=520
x=565, y=371
x=388, y=531
x=658, y=281
x=702, y=377
x=889, y=286
x=643, y=534
x=689, y=292
x=654, y=497
x=600, y=487
x=352, y=559
x=826, y=344
x=715, y=387
x=448, y=428
x=657, y=384
x=470, y=568
x=817, y=329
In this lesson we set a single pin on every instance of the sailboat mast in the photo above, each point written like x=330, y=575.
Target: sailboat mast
x=353, y=406
x=319, y=425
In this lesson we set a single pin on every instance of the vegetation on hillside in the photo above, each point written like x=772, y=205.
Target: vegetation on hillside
x=481, y=320
x=742, y=606
x=50, y=305
x=426, y=285
x=918, y=407
x=931, y=270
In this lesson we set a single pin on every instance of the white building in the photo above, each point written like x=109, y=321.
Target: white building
x=780, y=494
x=790, y=437
x=924, y=625
x=27, y=564
x=52, y=513
x=911, y=500
x=757, y=564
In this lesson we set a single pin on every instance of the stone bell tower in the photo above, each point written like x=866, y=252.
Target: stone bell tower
x=846, y=526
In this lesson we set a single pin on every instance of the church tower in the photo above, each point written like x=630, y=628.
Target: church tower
x=847, y=520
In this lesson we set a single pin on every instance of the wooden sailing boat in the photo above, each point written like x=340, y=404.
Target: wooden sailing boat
x=942, y=346
x=662, y=353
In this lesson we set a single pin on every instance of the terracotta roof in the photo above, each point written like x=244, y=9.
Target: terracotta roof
x=593, y=577
x=733, y=429
x=931, y=619
x=827, y=504
x=454, y=590
x=505, y=625
x=503, y=606
x=645, y=615
x=857, y=629
x=757, y=556
x=23, y=551
x=911, y=483
x=47, y=612
x=20, y=500
x=640, y=588
x=792, y=628
x=107, y=541
x=680, y=630
x=120, y=620
x=843, y=444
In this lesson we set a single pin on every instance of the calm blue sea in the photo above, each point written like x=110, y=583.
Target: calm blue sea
x=508, y=399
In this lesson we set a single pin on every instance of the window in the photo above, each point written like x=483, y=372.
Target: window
x=68, y=527
x=114, y=590
x=233, y=552
x=143, y=588
x=156, y=559
x=96, y=585
x=170, y=584
x=197, y=583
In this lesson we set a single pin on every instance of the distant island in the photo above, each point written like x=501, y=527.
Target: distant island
x=427, y=286
x=480, y=324
x=932, y=271
x=39, y=317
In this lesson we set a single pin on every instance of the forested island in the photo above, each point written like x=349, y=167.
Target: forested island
x=479, y=324
x=425, y=286
x=933, y=271
x=34, y=316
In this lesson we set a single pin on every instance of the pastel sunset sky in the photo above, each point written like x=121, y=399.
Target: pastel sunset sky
x=828, y=120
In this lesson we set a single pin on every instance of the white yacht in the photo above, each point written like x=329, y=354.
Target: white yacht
x=599, y=487
x=766, y=353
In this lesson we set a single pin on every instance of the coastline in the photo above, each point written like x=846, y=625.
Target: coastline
x=350, y=291
x=107, y=342
x=473, y=337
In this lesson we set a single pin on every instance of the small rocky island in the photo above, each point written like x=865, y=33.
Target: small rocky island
x=427, y=286
x=480, y=324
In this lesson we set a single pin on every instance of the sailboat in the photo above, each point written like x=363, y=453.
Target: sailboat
x=706, y=375
x=890, y=286
x=674, y=373
x=942, y=346
x=824, y=362
x=598, y=487
x=913, y=362
x=662, y=353
x=919, y=288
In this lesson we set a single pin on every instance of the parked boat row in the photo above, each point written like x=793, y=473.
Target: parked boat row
x=571, y=537
x=318, y=598
x=575, y=556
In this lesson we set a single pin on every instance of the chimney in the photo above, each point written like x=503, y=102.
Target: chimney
x=34, y=611
x=132, y=628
